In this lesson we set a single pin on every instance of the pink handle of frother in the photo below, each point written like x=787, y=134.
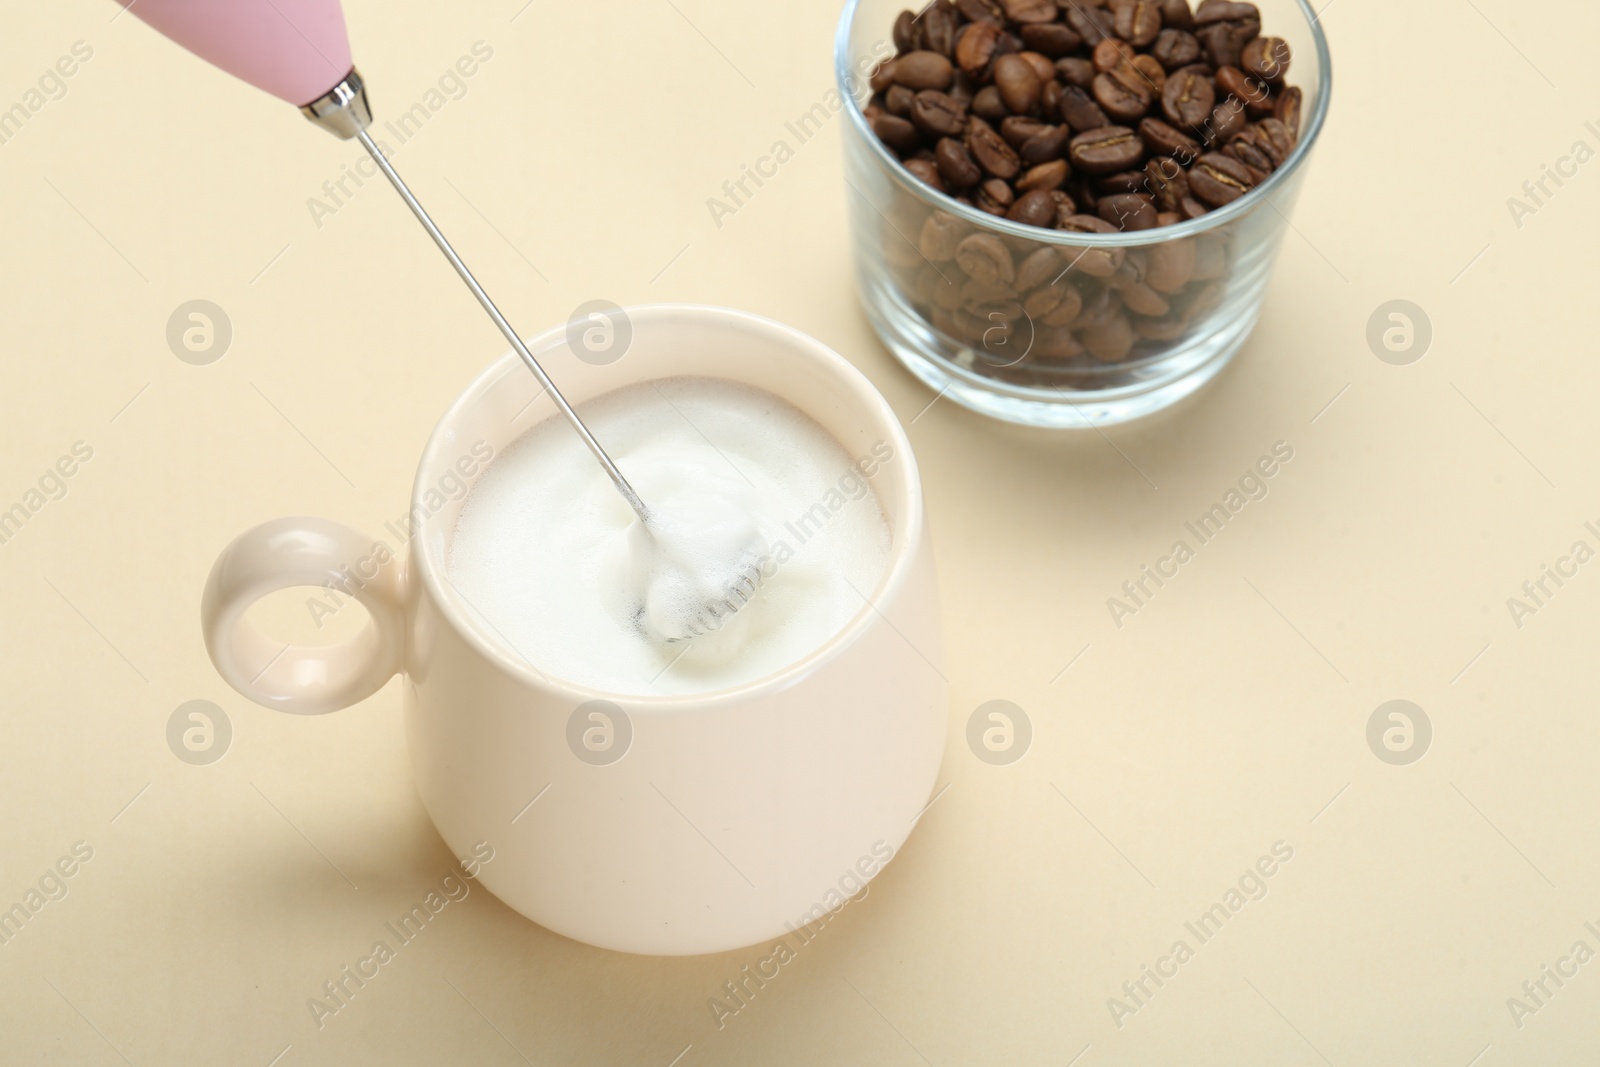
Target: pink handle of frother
x=296, y=50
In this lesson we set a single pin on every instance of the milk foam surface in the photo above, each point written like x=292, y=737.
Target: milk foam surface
x=551, y=557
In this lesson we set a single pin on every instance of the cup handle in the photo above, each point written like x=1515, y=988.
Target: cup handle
x=305, y=551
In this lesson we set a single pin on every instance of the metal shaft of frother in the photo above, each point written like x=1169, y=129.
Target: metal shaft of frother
x=505, y=327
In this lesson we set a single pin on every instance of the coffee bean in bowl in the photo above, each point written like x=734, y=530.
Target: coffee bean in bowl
x=1104, y=87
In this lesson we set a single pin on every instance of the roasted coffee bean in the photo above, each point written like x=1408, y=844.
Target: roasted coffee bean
x=1018, y=83
x=1275, y=140
x=1105, y=150
x=1050, y=342
x=938, y=30
x=995, y=197
x=1142, y=299
x=1251, y=91
x=1026, y=11
x=1009, y=44
x=1189, y=98
x=1128, y=211
x=1226, y=122
x=1090, y=224
x=895, y=132
x=1067, y=309
x=1176, y=13
x=956, y=165
x=1127, y=181
x=907, y=33
x=1214, y=11
x=1167, y=329
x=1118, y=100
x=923, y=70
x=1168, y=183
x=990, y=150
x=1176, y=48
x=1039, y=267
x=1034, y=208
x=1164, y=140
x=941, y=233
x=1110, y=54
x=1044, y=111
x=1259, y=148
x=1150, y=73
x=1049, y=143
x=1050, y=99
x=1100, y=305
x=1079, y=110
x=1223, y=43
x=1287, y=110
x=1218, y=179
x=1045, y=299
x=1243, y=149
x=981, y=11
x=1095, y=262
x=1053, y=39
x=975, y=46
x=925, y=171
x=1044, y=177
x=1267, y=58
x=1041, y=64
x=1017, y=129
x=1170, y=265
x=1111, y=342
x=938, y=114
x=1076, y=71
x=987, y=105
x=1093, y=24
x=1066, y=207
x=882, y=76
x=975, y=293
x=984, y=258
x=1137, y=22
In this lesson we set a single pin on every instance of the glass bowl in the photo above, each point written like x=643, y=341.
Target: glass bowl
x=1050, y=327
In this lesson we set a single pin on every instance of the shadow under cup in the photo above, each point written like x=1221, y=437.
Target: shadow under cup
x=1105, y=358
x=729, y=816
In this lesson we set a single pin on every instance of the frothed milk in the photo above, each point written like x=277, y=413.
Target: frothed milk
x=556, y=563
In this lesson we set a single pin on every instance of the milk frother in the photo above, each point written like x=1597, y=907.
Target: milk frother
x=299, y=51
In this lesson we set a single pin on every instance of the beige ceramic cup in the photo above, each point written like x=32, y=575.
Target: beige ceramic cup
x=662, y=825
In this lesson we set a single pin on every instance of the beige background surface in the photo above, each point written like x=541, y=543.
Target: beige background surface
x=1228, y=715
